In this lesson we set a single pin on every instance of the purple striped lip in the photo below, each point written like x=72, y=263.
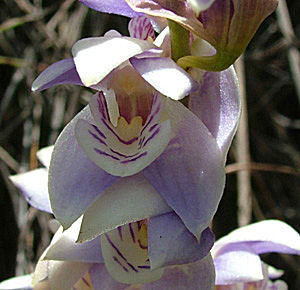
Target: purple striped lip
x=97, y=138
x=123, y=155
x=152, y=136
x=117, y=260
x=144, y=267
x=106, y=154
x=120, y=139
x=141, y=245
x=119, y=253
x=134, y=159
x=131, y=232
x=98, y=131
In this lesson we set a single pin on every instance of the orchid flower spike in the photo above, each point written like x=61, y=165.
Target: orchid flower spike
x=228, y=25
x=237, y=261
x=136, y=252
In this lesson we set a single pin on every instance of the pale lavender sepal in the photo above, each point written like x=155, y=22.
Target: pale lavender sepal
x=261, y=237
x=170, y=242
x=165, y=76
x=74, y=180
x=101, y=279
x=61, y=72
x=217, y=104
x=238, y=266
x=189, y=175
x=119, y=7
x=194, y=276
x=34, y=187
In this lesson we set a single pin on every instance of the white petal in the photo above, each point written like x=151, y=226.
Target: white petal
x=34, y=186
x=44, y=155
x=65, y=248
x=17, y=283
x=96, y=57
x=126, y=255
x=129, y=199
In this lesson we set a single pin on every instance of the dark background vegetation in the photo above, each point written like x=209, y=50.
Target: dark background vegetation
x=36, y=33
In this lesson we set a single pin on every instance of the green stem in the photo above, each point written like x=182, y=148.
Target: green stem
x=180, y=40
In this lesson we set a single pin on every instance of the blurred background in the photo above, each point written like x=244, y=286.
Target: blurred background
x=264, y=162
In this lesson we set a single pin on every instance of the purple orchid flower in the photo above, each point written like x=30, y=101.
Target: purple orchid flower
x=132, y=253
x=236, y=256
x=129, y=129
x=228, y=25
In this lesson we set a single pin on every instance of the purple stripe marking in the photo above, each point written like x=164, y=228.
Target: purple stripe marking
x=102, y=102
x=98, y=138
x=131, y=232
x=147, y=124
x=144, y=267
x=123, y=155
x=99, y=132
x=86, y=282
x=119, y=253
x=120, y=233
x=106, y=154
x=142, y=246
x=117, y=260
x=121, y=140
x=152, y=136
x=153, y=127
x=134, y=159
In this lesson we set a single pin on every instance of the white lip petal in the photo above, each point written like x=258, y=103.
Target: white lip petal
x=96, y=57
x=129, y=199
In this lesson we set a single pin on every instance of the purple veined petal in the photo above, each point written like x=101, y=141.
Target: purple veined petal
x=237, y=266
x=117, y=156
x=96, y=57
x=74, y=180
x=34, y=187
x=141, y=27
x=17, y=283
x=65, y=248
x=189, y=175
x=119, y=7
x=61, y=72
x=218, y=105
x=262, y=237
x=101, y=279
x=165, y=76
x=179, y=11
x=125, y=252
x=171, y=243
x=194, y=276
x=127, y=200
x=44, y=155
